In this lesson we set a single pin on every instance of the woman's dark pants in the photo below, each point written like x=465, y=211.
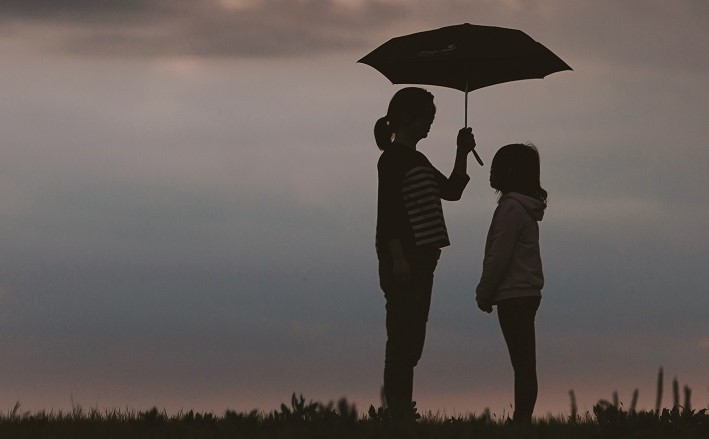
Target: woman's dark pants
x=517, y=322
x=407, y=307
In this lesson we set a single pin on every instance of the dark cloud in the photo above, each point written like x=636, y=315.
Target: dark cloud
x=79, y=10
x=633, y=34
x=209, y=28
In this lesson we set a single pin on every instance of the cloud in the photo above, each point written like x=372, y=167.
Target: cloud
x=211, y=28
x=602, y=32
x=80, y=10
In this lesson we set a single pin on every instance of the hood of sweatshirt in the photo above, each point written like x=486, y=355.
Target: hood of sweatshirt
x=532, y=205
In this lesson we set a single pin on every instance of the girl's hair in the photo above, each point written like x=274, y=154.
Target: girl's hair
x=406, y=104
x=515, y=168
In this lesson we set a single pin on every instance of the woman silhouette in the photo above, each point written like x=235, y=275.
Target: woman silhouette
x=512, y=275
x=410, y=233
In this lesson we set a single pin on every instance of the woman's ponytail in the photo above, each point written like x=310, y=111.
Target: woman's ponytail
x=383, y=133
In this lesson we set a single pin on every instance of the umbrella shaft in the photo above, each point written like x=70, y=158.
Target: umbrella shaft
x=466, y=103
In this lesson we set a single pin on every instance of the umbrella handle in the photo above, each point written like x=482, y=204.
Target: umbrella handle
x=477, y=157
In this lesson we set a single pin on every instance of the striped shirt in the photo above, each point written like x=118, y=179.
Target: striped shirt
x=409, y=199
x=422, y=201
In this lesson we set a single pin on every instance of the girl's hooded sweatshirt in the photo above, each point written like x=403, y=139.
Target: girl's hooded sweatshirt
x=512, y=266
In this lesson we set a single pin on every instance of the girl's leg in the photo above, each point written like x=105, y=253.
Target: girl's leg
x=516, y=318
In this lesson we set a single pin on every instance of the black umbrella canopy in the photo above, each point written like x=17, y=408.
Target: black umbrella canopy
x=465, y=57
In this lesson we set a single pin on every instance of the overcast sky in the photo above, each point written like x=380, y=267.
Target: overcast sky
x=188, y=203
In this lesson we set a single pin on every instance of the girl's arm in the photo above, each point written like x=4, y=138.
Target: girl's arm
x=501, y=242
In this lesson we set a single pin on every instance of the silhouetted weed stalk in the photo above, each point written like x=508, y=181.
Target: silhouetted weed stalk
x=308, y=419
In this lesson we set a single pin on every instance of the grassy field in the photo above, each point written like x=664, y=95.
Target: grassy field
x=314, y=420
x=301, y=419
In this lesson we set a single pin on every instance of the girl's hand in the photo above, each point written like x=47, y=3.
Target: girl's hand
x=466, y=140
x=401, y=271
x=484, y=305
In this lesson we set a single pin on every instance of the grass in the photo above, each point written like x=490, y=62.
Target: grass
x=341, y=420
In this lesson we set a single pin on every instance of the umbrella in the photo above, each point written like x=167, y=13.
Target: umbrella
x=465, y=57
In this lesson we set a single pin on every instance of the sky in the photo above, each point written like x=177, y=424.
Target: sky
x=188, y=204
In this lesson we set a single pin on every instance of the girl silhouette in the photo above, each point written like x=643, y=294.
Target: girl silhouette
x=512, y=275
